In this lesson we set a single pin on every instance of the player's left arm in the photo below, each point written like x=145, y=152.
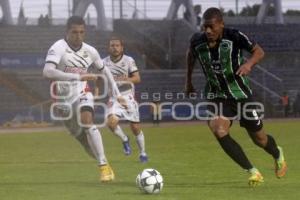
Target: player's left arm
x=133, y=73
x=190, y=65
x=133, y=78
x=257, y=54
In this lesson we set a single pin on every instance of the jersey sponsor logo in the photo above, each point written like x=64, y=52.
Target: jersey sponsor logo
x=75, y=70
x=216, y=66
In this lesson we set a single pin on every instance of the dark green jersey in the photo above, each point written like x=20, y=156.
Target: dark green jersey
x=220, y=64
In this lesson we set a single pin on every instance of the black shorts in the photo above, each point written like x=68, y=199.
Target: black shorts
x=247, y=111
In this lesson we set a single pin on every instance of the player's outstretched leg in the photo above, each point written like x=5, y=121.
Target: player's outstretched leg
x=220, y=128
x=234, y=150
x=82, y=139
x=268, y=143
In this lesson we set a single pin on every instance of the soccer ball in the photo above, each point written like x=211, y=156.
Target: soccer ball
x=149, y=181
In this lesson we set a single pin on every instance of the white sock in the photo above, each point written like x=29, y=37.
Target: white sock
x=95, y=142
x=119, y=132
x=82, y=138
x=252, y=170
x=140, y=140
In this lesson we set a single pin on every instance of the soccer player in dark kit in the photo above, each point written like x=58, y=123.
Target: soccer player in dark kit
x=219, y=52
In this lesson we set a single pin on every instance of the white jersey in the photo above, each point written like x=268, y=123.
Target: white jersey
x=73, y=61
x=124, y=67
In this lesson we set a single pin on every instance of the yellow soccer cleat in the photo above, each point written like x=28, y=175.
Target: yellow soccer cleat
x=280, y=164
x=256, y=178
x=106, y=173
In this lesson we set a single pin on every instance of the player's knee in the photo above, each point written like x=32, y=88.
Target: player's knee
x=219, y=131
x=219, y=127
x=112, y=122
x=135, y=127
x=86, y=121
x=86, y=118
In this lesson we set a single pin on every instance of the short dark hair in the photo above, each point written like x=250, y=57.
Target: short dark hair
x=211, y=13
x=116, y=37
x=75, y=20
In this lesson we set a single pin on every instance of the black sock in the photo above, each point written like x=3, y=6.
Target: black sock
x=271, y=147
x=234, y=150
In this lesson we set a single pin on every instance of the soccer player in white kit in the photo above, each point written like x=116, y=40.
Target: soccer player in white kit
x=68, y=60
x=125, y=72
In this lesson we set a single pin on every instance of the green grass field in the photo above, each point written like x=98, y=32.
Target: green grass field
x=53, y=166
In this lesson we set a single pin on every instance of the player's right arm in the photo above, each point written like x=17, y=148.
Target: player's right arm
x=53, y=58
x=190, y=62
x=52, y=73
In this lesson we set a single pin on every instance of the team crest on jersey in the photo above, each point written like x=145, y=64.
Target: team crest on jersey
x=123, y=64
x=68, y=51
x=85, y=54
x=225, y=46
x=51, y=52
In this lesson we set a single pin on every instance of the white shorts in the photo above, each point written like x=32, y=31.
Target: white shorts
x=73, y=124
x=130, y=114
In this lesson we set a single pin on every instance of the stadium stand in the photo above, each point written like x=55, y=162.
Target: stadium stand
x=156, y=45
x=36, y=39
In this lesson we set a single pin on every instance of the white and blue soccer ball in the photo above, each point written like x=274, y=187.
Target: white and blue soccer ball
x=150, y=181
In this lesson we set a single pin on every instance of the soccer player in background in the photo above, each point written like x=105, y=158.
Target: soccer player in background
x=126, y=73
x=68, y=60
x=219, y=52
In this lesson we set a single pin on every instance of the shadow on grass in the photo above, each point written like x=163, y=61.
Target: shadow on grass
x=70, y=183
x=211, y=184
